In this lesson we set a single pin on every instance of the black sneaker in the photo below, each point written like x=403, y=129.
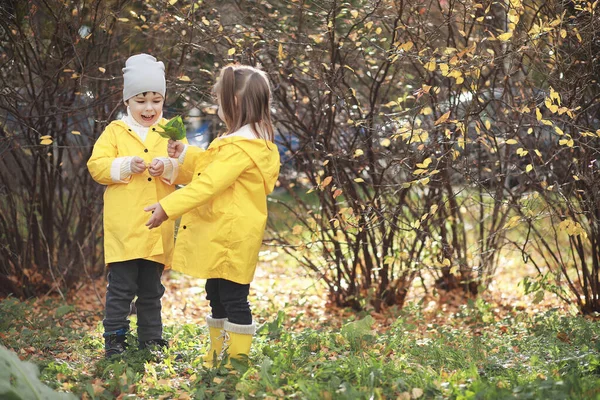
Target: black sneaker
x=154, y=344
x=114, y=344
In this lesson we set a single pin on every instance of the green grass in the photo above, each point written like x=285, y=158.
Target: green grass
x=279, y=216
x=473, y=356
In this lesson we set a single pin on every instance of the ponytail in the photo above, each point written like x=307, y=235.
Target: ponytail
x=227, y=95
x=257, y=96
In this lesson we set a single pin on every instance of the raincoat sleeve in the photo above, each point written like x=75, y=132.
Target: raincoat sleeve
x=187, y=168
x=221, y=173
x=103, y=155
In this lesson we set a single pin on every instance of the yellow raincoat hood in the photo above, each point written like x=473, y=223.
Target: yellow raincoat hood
x=265, y=159
x=225, y=208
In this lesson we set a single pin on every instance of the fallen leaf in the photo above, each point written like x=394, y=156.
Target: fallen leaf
x=417, y=392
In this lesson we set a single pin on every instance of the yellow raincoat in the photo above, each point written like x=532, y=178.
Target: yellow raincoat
x=125, y=235
x=225, y=208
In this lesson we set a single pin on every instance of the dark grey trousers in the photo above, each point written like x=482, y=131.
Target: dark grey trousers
x=127, y=279
x=229, y=300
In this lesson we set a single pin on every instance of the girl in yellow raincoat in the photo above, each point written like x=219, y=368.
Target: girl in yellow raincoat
x=130, y=158
x=224, y=208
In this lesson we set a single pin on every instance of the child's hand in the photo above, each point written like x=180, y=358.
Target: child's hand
x=137, y=165
x=156, y=168
x=175, y=148
x=158, y=216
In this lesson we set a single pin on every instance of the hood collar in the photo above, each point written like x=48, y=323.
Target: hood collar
x=263, y=153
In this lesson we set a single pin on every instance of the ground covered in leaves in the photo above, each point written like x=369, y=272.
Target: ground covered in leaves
x=495, y=347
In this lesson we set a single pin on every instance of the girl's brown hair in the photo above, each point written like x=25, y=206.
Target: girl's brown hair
x=245, y=98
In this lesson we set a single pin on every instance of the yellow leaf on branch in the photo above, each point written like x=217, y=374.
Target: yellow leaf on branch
x=430, y=66
x=326, y=181
x=572, y=228
x=512, y=222
x=444, y=68
x=554, y=95
x=426, y=111
x=566, y=142
x=522, y=152
x=550, y=106
x=406, y=46
x=443, y=118
x=425, y=163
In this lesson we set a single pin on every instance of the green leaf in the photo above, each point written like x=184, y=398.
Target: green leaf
x=265, y=372
x=19, y=380
x=174, y=129
x=63, y=310
x=538, y=297
x=358, y=329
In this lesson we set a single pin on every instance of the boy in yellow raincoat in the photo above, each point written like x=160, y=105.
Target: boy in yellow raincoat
x=130, y=158
x=224, y=208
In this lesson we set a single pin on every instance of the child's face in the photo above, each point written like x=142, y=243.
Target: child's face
x=146, y=109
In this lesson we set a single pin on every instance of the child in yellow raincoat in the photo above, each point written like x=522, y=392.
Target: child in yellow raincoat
x=131, y=159
x=224, y=208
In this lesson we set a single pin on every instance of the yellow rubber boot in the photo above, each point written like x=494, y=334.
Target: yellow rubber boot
x=239, y=340
x=217, y=336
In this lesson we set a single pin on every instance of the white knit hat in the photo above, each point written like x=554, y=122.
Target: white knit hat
x=142, y=73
